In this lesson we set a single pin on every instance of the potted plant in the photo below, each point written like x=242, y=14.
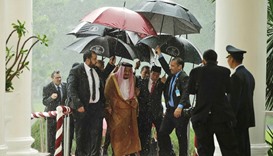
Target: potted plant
x=16, y=55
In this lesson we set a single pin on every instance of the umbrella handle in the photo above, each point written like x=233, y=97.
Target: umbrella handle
x=116, y=42
x=119, y=60
x=170, y=60
x=161, y=28
x=161, y=25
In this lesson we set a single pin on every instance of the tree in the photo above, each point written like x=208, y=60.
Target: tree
x=17, y=55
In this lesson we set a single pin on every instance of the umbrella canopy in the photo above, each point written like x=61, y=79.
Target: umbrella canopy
x=103, y=46
x=85, y=29
x=121, y=18
x=183, y=48
x=127, y=36
x=144, y=53
x=153, y=41
x=168, y=17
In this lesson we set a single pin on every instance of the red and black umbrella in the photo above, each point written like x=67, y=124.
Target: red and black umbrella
x=121, y=18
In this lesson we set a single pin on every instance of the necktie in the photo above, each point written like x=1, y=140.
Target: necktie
x=59, y=93
x=153, y=87
x=171, y=91
x=93, y=85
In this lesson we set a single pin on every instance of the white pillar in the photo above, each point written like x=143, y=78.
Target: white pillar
x=3, y=146
x=242, y=23
x=18, y=128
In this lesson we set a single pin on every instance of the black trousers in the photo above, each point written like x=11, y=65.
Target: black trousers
x=225, y=136
x=51, y=134
x=168, y=124
x=88, y=128
x=242, y=136
x=145, y=121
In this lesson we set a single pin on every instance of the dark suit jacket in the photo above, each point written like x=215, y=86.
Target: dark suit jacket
x=181, y=83
x=211, y=84
x=150, y=102
x=78, y=85
x=50, y=103
x=241, y=97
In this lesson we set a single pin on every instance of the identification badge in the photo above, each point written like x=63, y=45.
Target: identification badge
x=177, y=92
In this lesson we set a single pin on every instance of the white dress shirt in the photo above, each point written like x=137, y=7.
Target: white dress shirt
x=150, y=85
x=97, y=83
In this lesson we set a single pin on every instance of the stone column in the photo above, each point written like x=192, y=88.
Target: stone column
x=3, y=146
x=242, y=23
x=18, y=103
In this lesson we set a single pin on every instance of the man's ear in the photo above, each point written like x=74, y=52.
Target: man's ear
x=181, y=67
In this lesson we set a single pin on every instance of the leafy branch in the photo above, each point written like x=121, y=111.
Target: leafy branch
x=16, y=60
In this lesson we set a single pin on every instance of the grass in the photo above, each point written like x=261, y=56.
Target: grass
x=36, y=134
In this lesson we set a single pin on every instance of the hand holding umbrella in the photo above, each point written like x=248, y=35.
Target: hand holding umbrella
x=163, y=78
x=137, y=65
x=112, y=60
x=158, y=50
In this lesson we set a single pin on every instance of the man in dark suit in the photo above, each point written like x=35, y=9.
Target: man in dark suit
x=176, y=99
x=85, y=88
x=150, y=107
x=54, y=94
x=241, y=98
x=212, y=113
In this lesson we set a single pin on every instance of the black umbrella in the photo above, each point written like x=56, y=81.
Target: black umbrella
x=85, y=29
x=168, y=17
x=128, y=37
x=153, y=41
x=103, y=46
x=183, y=48
x=143, y=52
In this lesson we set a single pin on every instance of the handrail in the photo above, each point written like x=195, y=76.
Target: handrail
x=60, y=112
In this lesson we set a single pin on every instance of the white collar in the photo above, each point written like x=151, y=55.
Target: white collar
x=234, y=70
x=240, y=65
x=86, y=67
x=56, y=86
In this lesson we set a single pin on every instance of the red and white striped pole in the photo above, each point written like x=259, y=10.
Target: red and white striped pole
x=61, y=111
x=43, y=114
